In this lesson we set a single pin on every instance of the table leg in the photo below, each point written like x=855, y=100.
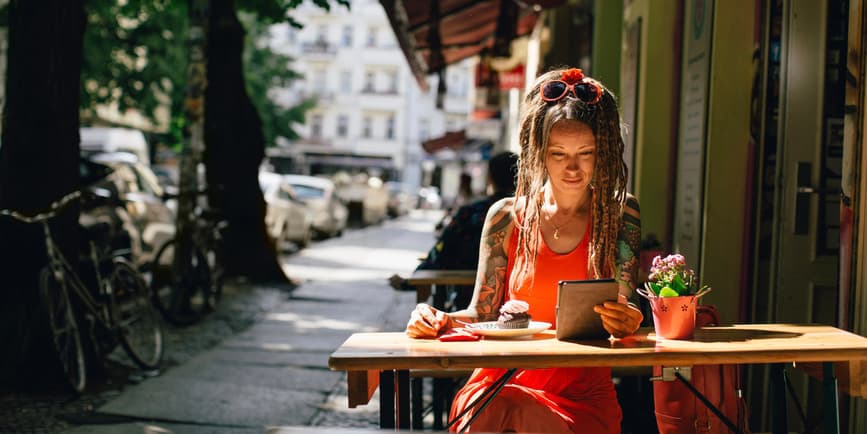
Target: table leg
x=402, y=415
x=440, y=293
x=386, y=399
x=416, y=384
x=438, y=402
x=779, y=410
x=832, y=410
x=422, y=292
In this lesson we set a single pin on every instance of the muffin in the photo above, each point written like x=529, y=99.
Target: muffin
x=513, y=315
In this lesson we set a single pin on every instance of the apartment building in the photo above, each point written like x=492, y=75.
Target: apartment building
x=371, y=114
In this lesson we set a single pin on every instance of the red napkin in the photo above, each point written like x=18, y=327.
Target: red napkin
x=458, y=334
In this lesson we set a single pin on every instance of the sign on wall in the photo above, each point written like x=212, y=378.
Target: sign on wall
x=692, y=137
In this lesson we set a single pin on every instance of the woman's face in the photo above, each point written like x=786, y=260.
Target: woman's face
x=571, y=156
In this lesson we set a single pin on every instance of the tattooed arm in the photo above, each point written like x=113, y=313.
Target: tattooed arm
x=490, y=289
x=628, y=242
x=621, y=319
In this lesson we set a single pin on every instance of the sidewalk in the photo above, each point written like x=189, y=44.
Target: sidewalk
x=276, y=373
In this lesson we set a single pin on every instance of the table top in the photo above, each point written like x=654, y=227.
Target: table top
x=442, y=277
x=731, y=344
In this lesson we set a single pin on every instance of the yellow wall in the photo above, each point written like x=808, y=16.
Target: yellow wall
x=607, y=30
x=727, y=153
x=654, y=135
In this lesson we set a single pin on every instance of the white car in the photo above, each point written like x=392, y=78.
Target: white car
x=287, y=217
x=329, y=212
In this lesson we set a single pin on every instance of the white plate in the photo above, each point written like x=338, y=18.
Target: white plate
x=490, y=328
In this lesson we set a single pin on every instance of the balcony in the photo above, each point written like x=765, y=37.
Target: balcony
x=319, y=49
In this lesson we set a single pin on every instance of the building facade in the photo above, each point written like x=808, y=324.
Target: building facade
x=370, y=115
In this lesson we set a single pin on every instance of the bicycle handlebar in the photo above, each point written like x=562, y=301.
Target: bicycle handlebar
x=52, y=211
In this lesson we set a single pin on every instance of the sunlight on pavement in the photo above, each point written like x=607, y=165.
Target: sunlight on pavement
x=326, y=274
x=317, y=322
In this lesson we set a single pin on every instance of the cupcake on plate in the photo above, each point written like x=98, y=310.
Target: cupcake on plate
x=513, y=315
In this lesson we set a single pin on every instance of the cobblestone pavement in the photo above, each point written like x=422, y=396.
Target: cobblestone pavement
x=53, y=410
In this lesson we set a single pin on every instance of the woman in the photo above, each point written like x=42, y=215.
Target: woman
x=570, y=219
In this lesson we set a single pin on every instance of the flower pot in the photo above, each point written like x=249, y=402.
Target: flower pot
x=674, y=317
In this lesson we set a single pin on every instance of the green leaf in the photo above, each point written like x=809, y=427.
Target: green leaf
x=655, y=287
x=679, y=285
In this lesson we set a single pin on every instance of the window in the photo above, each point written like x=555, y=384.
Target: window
x=389, y=128
x=369, y=79
x=371, y=37
x=319, y=85
x=291, y=34
x=392, y=82
x=367, y=128
x=346, y=40
x=345, y=84
x=321, y=34
x=342, y=125
x=316, y=126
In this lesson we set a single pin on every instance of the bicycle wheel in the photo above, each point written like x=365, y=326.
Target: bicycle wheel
x=133, y=316
x=64, y=329
x=181, y=299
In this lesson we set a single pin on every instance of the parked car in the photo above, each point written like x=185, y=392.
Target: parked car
x=329, y=212
x=287, y=217
x=145, y=217
x=96, y=140
x=400, y=199
x=365, y=197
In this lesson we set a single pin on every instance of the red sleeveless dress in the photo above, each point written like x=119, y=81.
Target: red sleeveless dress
x=551, y=400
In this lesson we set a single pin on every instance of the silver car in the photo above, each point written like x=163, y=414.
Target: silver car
x=287, y=217
x=329, y=212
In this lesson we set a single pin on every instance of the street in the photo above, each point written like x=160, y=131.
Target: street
x=262, y=358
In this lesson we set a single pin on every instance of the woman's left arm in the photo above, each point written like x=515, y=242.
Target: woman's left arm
x=623, y=319
x=628, y=242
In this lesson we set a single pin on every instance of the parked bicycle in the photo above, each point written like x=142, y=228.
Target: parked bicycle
x=184, y=298
x=117, y=301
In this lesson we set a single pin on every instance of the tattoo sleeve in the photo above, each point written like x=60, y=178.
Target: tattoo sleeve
x=628, y=242
x=490, y=289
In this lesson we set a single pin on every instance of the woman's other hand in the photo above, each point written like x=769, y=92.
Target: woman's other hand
x=426, y=322
x=619, y=319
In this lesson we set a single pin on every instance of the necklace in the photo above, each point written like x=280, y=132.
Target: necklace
x=556, y=226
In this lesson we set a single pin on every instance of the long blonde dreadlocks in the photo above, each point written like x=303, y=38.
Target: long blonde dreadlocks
x=608, y=183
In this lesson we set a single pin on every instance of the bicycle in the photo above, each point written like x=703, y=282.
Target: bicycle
x=120, y=303
x=184, y=299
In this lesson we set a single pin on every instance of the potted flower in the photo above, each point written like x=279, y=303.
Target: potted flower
x=673, y=293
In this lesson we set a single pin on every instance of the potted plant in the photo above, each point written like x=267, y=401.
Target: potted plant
x=673, y=293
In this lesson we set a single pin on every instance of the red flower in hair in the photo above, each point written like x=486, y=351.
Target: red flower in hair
x=572, y=76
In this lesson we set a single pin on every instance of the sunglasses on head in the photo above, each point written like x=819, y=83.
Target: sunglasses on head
x=585, y=90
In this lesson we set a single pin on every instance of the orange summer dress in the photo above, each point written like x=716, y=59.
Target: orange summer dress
x=551, y=400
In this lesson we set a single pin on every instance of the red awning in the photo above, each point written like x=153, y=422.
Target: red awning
x=453, y=139
x=436, y=33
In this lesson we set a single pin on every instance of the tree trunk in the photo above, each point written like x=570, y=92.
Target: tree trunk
x=39, y=158
x=235, y=149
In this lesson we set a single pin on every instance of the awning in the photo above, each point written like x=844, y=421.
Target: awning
x=453, y=139
x=436, y=33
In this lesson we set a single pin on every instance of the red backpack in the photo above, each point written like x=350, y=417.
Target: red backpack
x=678, y=410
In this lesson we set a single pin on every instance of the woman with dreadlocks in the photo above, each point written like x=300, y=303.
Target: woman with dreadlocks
x=570, y=219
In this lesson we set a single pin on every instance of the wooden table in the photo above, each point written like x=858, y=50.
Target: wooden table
x=425, y=281
x=373, y=359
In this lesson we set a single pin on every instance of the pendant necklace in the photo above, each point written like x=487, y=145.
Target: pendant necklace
x=556, y=226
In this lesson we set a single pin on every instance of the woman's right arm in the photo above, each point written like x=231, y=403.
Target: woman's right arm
x=490, y=289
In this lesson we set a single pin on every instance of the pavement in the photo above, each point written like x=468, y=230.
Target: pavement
x=274, y=371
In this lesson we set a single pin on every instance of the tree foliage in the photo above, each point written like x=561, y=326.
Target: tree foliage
x=135, y=52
